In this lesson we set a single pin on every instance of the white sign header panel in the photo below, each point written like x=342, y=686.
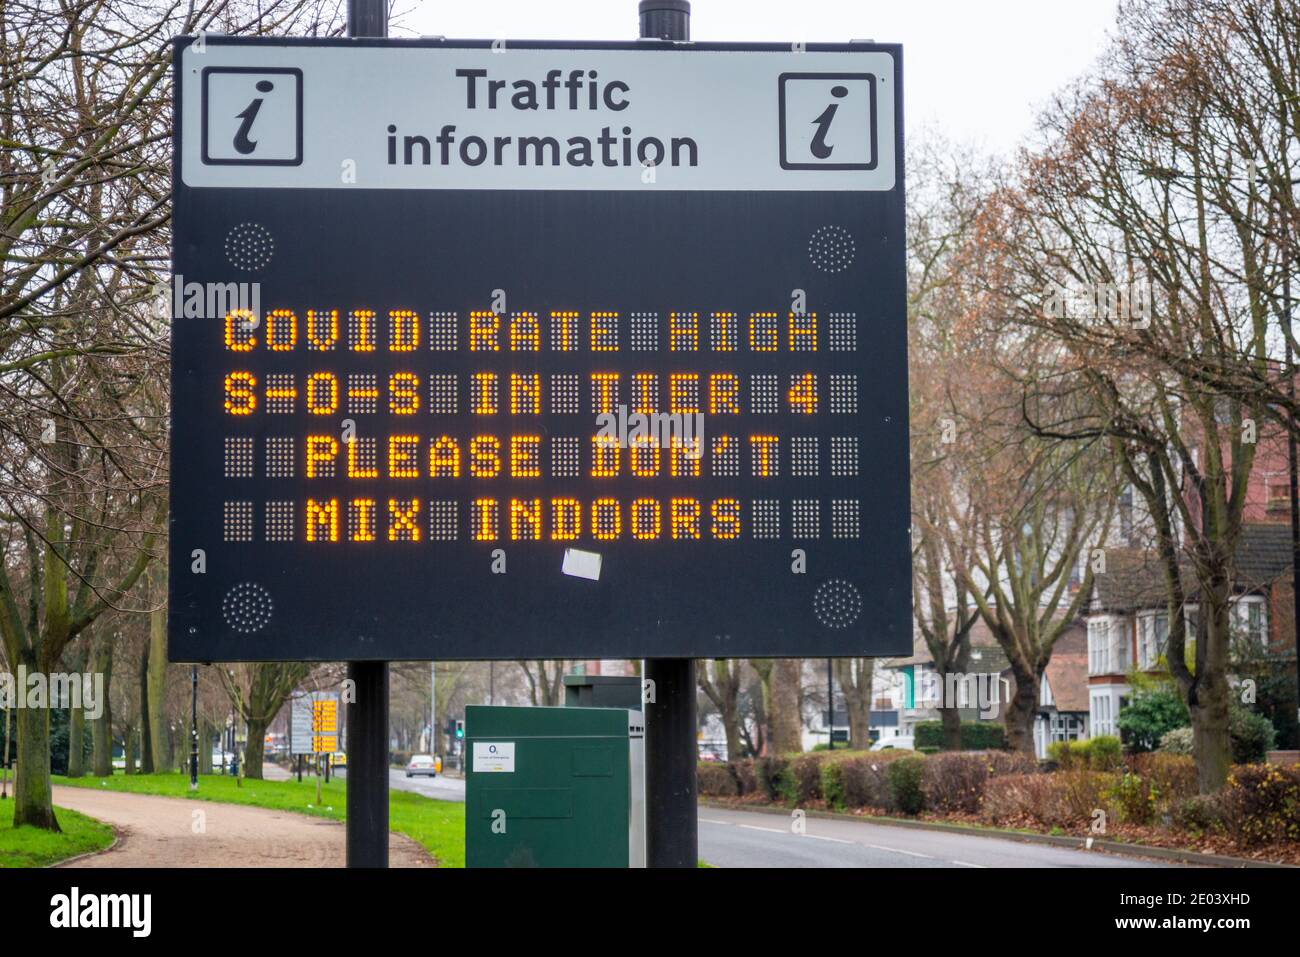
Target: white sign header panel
x=347, y=117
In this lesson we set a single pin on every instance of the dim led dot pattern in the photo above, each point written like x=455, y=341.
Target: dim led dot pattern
x=837, y=604
x=247, y=607
x=249, y=246
x=831, y=248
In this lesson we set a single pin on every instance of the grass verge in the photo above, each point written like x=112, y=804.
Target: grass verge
x=438, y=826
x=36, y=847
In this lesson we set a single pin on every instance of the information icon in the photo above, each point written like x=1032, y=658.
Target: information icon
x=252, y=117
x=828, y=121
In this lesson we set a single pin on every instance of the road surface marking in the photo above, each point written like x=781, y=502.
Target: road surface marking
x=770, y=830
x=823, y=837
x=967, y=864
x=709, y=820
x=899, y=850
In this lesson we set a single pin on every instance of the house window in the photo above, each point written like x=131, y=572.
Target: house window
x=1249, y=623
x=1153, y=635
x=1101, y=716
x=1119, y=646
x=1099, y=646
x=1067, y=727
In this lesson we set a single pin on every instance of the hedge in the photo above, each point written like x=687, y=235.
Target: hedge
x=1260, y=805
x=975, y=735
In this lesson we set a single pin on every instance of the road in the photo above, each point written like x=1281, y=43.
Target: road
x=752, y=839
x=441, y=788
x=730, y=838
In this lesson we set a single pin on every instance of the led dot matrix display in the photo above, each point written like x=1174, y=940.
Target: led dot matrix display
x=438, y=392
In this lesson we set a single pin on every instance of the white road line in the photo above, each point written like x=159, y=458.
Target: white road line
x=899, y=850
x=770, y=830
x=833, y=840
x=967, y=864
x=709, y=820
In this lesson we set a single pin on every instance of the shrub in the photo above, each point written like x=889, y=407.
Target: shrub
x=1199, y=814
x=1098, y=754
x=1172, y=776
x=1134, y=797
x=1262, y=803
x=955, y=780
x=975, y=735
x=1066, y=799
x=1017, y=799
x=833, y=784
x=1251, y=732
x=905, y=782
x=716, y=780
x=864, y=779
x=803, y=779
x=1252, y=735
x=1104, y=753
x=1150, y=715
x=1177, y=741
x=768, y=772
x=746, y=778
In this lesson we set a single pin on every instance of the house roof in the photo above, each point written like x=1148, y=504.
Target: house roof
x=1067, y=675
x=1134, y=578
x=987, y=655
x=1263, y=554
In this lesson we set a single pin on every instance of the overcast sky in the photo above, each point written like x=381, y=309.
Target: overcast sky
x=978, y=72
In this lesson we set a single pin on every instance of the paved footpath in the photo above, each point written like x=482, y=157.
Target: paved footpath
x=169, y=832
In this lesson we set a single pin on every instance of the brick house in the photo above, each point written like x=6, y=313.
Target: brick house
x=1128, y=616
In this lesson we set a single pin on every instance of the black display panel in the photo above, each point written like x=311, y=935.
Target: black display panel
x=541, y=423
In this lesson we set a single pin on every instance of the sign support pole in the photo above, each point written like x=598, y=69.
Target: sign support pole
x=672, y=826
x=194, y=727
x=367, y=825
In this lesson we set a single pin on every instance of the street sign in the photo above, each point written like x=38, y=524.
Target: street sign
x=525, y=350
x=314, y=723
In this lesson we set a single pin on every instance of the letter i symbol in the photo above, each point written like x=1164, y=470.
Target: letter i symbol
x=823, y=124
x=242, y=143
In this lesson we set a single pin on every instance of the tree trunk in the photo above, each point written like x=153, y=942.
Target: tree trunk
x=205, y=745
x=156, y=676
x=951, y=718
x=1208, y=699
x=77, y=719
x=855, y=679
x=146, y=742
x=128, y=750
x=101, y=728
x=1021, y=710
x=784, y=714
x=32, y=796
x=255, y=747
x=76, y=741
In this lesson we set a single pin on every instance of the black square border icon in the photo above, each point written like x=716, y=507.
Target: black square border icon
x=781, y=81
x=291, y=71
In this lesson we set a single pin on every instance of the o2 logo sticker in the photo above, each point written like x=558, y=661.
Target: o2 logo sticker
x=828, y=121
x=252, y=116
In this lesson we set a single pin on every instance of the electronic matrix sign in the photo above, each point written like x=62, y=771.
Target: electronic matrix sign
x=529, y=350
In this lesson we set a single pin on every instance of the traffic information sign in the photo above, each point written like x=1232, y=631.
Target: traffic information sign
x=538, y=351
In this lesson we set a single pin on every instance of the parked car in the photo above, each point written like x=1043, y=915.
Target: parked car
x=423, y=764
x=901, y=742
x=709, y=756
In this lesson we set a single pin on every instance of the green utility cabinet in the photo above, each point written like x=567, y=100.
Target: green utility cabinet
x=554, y=787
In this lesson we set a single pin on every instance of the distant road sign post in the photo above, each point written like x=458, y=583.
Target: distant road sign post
x=544, y=350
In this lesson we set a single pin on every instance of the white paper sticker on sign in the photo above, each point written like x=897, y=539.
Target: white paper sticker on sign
x=494, y=757
x=581, y=564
